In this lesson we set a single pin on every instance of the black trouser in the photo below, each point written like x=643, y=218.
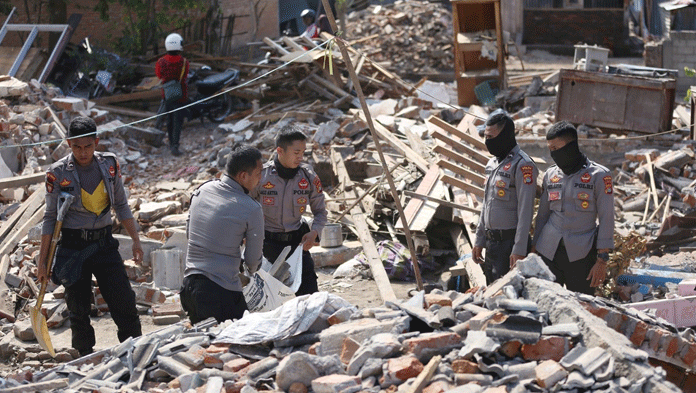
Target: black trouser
x=202, y=298
x=499, y=246
x=175, y=121
x=272, y=248
x=572, y=274
x=107, y=266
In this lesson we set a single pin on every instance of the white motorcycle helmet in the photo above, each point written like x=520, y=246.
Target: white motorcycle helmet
x=174, y=42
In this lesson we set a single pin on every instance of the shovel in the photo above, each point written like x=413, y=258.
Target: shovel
x=38, y=320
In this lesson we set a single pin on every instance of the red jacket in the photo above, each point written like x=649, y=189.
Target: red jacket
x=168, y=68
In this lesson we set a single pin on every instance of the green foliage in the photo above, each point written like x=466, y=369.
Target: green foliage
x=690, y=72
x=147, y=22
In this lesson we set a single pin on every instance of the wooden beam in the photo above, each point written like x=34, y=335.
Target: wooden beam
x=460, y=170
x=126, y=111
x=418, y=213
x=475, y=142
x=147, y=95
x=380, y=275
x=423, y=379
x=449, y=153
x=11, y=241
x=400, y=146
x=61, y=128
x=473, y=153
x=441, y=201
x=282, y=51
x=478, y=191
x=20, y=181
x=31, y=204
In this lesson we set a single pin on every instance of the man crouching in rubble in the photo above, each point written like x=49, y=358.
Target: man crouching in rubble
x=87, y=246
x=222, y=217
x=287, y=186
x=508, y=204
x=576, y=192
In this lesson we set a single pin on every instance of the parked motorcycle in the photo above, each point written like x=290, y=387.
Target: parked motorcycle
x=203, y=85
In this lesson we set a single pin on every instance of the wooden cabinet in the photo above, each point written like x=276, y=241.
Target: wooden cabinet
x=478, y=32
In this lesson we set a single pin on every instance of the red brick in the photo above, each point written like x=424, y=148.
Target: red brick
x=672, y=347
x=312, y=350
x=433, y=340
x=350, y=346
x=437, y=387
x=235, y=387
x=639, y=333
x=212, y=362
x=218, y=348
x=167, y=309
x=511, y=349
x=404, y=367
x=551, y=347
x=236, y=365
x=432, y=298
x=690, y=356
x=599, y=312
x=655, y=339
x=463, y=366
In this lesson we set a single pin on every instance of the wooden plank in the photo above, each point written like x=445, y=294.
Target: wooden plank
x=441, y=201
x=378, y=273
x=282, y=51
x=400, y=146
x=459, y=170
x=418, y=213
x=475, y=142
x=451, y=154
x=473, y=153
x=297, y=115
x=292, y=44
x=20, y=181
x=59, y=124
x=11, y=241
x=32, y=203
x=423, y=379
x=147, y=95
x=478, y=191
x=126, y=111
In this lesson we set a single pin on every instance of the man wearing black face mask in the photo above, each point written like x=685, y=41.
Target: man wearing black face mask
x=508, y=203
x=576, y=193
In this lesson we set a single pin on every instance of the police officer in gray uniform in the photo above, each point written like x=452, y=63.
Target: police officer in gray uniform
x=577, y=193
x=87, y=246
x=508, y=203
x=286, y=188
x=222, y=217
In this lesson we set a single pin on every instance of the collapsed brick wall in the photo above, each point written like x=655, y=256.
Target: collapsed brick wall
x=676, y=52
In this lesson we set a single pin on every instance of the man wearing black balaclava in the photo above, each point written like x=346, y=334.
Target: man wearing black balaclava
x=508, y=203
x=577, y=193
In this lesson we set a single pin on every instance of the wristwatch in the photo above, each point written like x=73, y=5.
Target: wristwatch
x=603, y=256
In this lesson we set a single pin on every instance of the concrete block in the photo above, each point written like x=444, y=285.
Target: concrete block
x=331, y=339
x=294, y=368
x=166, y=320
x=70, y=104
x=23, y=331
x=679, y=311
x=167, y=268
x=125, y=247
x=549, y=373
x=687, y=287
x=335, y=256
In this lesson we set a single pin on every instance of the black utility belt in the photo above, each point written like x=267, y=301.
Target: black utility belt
x=86, y=235
x=500, y=234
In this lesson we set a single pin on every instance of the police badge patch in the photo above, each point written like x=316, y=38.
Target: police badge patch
x=303, y=184
x=317, y=185
x=586, y=177
x=608, y=188
x=268, y=201
x=554, y=196
x=268, y=185
x=527, y=171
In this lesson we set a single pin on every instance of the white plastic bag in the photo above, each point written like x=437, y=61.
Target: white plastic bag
x=295, y=262
x=265, y=292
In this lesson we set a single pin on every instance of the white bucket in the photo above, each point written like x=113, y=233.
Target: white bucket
x=331, y=236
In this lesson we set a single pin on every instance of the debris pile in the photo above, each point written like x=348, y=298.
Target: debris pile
x=521, y=334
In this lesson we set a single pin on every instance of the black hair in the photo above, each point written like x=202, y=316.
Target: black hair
x=242, y=159
x=562, y=129
x=174, y=52
x=82, y=126
x=502, y=120
x=288, y=135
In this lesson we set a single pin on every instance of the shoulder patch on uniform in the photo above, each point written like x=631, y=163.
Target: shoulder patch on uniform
x=586, y=177
x=608, y=188
x=50, y=178
x=118, y=169
x=317, y=185
x=527, y=171
x=268, y=185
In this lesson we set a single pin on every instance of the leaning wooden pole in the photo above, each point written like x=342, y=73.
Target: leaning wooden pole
x=370, y=124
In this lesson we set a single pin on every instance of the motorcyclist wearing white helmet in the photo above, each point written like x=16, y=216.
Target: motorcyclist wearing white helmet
x=308, y=17
x=173, y=66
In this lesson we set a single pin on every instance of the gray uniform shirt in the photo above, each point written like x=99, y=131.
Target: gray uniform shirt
x=284, y=201
x=62, y=177
x=508, y=201
x=569, y=208
x=221, y=216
